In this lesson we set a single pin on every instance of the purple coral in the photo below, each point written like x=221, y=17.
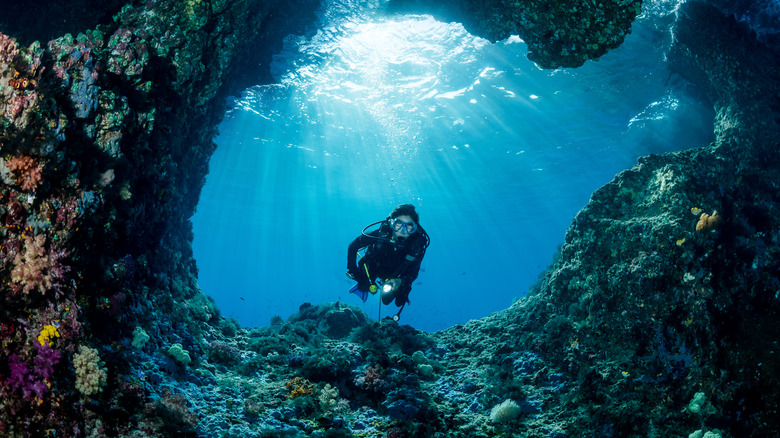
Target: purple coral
x=223, y=353
x=69, y=211
x=45, y=360
x=20, y=102
x=35, y=381
x=21, y=378
x=372, y=379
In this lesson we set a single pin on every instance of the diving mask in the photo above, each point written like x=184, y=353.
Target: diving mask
x=401, y=226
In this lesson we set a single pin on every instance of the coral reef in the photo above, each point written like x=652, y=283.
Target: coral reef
x=102, y=161
x=559, y=34
x=105, y=138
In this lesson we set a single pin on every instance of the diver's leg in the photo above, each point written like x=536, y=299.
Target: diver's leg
x=388, y=298
x=402, y=294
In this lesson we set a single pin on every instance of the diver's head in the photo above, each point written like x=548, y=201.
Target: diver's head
x=404, y=209
x=403, y=221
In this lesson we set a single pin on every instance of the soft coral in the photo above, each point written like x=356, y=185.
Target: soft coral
x=39, y=269
x=27, y=171
x=35, y=381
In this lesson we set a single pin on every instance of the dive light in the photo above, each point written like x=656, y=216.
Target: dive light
x=384, y=285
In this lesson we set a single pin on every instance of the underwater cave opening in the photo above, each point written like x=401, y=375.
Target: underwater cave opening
x=375, y=110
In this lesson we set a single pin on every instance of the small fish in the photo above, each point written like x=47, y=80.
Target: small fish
x=242, y=299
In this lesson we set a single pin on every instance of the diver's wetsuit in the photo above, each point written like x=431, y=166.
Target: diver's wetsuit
x=385, y=259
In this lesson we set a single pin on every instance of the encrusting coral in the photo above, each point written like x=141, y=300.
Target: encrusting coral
x=330, y=402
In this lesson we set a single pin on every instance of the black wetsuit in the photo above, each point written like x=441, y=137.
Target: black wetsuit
x=386, y=258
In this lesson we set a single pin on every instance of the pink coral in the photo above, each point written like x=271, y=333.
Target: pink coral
x=372, y=379
x=8, y=48
x=21, y=101
x=27, y=171
x=39, y=269
x=68, y=212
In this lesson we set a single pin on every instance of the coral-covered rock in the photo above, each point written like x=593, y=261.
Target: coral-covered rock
x=560, y=33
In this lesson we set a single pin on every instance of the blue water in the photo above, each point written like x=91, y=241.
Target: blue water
x=373, y=111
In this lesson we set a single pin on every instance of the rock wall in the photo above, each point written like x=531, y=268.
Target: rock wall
x=105, y=138
x=667, y=283
x=654, y=320
x=563, y=33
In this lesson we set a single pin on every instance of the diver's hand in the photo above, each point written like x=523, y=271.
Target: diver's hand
x=351, y=274
x=394, y=283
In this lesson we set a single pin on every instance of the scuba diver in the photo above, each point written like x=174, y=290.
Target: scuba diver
x=393, y=254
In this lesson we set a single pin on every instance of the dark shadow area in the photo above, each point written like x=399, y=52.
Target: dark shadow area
x=252, y=66
x=42, y=20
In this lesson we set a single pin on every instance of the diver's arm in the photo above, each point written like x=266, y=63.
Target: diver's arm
x=356, y=244
x=411, y=272
x=410, y=268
